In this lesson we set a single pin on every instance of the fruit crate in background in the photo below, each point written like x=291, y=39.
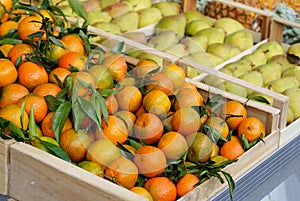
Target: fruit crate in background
x=37, y=175
x=279, y=101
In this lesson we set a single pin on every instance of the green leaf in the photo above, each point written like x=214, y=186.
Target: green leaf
x=59, y=118
x=4, y=136
x=58, y=151
x=245, y=142
x=78, y=8
x=106, y=92
x=230, y=182
x=78, y=115
x=126, y=153
x=86, y=42
x=134, y=144
x=56, y=41
x=15, y=132
x=11, y=41
x=259, y=98
x=89, y=110
x=118, y=47
x=32, y=125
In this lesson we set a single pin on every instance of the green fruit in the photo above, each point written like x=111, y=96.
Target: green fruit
x=168, y=8
x=270, y=71
x=195, y=26
x=176, y=23
x=92, y=167
x=178, y=50
x=140, y=4
x=294, y=101
x=235, y=89
x=238, y=68
x=200, y=147
x=293, y=54
x=214, y=35
x=164, y=40
x=205, y=59
x=282, y=60
x=102, y=77
x=285, y=83
x=295, y=71
x=271, y=48
x=149, y=16
x=257, y=58
x=118, y=9
x=95, y=16
x=108, y=27
x=242, y=39
x=127, y=22
x=225, y=51
x=230, y=25
x=253, y=77
x=192, y=15
x=195, y=44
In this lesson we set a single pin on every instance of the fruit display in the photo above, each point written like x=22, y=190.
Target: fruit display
x=269, y=66
x=194, y=36
x=122, y=16
x=138, y=125
x=249, y=19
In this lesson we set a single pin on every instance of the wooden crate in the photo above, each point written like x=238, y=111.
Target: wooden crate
x=37, y=175
x=279, y=101
x=4, y=164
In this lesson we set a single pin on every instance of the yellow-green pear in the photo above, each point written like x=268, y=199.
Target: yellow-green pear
x=140, y=4
x=282, y=84
x=223, y=50
x=294, y=101
x=239, y=67
x=176, y=23
x=230, y=25
x=270, y=71
x=133, y=52
x=168, y=8
x=295, y=71
x=253, y=77
x=149, y=16
x=195, y=26
x=243, y=39
x=293, y=54
x=178, y=50
x=118, y=9
x=108, y=27
x=163, y=40
x=214, y=35
x=127, y=22
x=195, y=44
x=205, y=59
x=282, y=59
x=257, y=57
x=136, y=36
x=214, y=81
x=290, y=116
x=192, y=15
x=235, y=89
x=271, y=48
x=105, y=3
x=192, y=72
x=94, y=17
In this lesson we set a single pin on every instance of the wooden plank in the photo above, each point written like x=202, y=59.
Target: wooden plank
x=289, y=132
x=4, y=164
x=37, y=175
x=189, y=5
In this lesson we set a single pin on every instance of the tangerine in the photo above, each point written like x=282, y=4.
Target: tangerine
x=47, y=89
x=12, y=93
x=157, y=102
x=19, y=50
x=252, y=128
x=129, y=98
x=234, y=112
x=72, y=59
x=30, y=25
x=115, y=129
x=161, y=189
x=13, y=113
x=186, y=184
x=8, y=72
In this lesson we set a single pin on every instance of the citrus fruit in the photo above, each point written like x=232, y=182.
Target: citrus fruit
x=60, y=73
x=92, y=167
x=78, y=78
x=30, y=25
x=19, y=50
x=186, y=184
x=116, y=65
x=161, y=82
x=148, y=127
x=47, y=125
x=200, y=147
x=150, y=161
x=176, y=74
x=47, y=89
x=129, y=98
x=75, y=144
x=219, y=124
x=115, y=129
x=32, y=75
x=161, y=188
x=123, y=171
x=173, y=144
x=56, y=51
x=102, y=77
x=252, y=128
x=234, y=112
x=187, y=97
x=8, y=72
x=186, y=120
x=142, y=192
x=72, y=59
x=144, y=66
x=112, y=105
x=13, y=113
x=232, y=149
x=38, y=144
x=12, y=93
x=7, y=27
x=103, y=152
x=157, y=102
x=129, y=119
x=74, y=43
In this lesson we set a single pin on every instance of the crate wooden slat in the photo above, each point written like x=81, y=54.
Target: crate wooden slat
x=277, y=27
x=189, y=5
x=4, y=164
x=37, y=175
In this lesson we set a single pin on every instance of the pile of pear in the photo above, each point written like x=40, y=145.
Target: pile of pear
x=269, y=66
x=194, y=36
x=120, y=16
